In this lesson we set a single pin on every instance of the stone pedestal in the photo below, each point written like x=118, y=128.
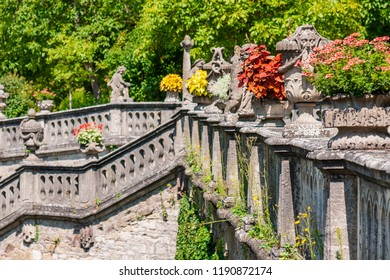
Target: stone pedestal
x=32, y=135
x=359, y=129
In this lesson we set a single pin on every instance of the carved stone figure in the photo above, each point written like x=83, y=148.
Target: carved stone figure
x=28, y=233
x=216, y=68
x=87, y=238
x=186, y=44
x=3, y=98
x=298, y=90
x=120, y=88
x=32, y=134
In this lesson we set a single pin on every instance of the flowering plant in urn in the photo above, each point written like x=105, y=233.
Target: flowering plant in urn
x=171, y=82
x=44, y=94
x=260, y=74
x=197, y=84
x=352, y=66
x=89, y=133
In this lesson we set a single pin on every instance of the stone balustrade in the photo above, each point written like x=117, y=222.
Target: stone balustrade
x=121, y=123
x=348, y=192
x=79, y=191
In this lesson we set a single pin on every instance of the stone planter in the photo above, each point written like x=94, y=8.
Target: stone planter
x=45, y=106
x=271, y=112
x=92, y=150
x=172, y=96
x=362, y=123
x=203, y=101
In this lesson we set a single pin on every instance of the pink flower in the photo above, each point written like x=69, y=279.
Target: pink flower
x=328, y=76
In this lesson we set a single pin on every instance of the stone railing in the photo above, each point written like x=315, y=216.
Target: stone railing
x=121, y=123
x=348, y=192
x=80, y=191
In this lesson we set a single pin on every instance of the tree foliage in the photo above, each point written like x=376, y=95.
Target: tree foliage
x=76, y=45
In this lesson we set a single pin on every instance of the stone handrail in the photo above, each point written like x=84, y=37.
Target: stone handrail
x=79, y=191
x=347, y=191
x=121, y=122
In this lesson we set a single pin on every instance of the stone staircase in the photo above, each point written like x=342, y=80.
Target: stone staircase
x=84, y=189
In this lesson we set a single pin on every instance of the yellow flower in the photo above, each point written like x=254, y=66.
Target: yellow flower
x=306, y=229
x=197, y=84
x=297, y=222
x=255, y=197
x=171, y=82
x=303, y=240
x=308, y=208
x=304, y=215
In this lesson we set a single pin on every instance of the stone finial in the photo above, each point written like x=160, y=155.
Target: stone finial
x=299, y=45
x=120, y=88
x=31, y=133
x=298, y=89
x=186, y=44
x=87, y=238
x=28, y=233
x=3, y=97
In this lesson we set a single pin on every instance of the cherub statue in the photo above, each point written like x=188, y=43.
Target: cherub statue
x=120, y=88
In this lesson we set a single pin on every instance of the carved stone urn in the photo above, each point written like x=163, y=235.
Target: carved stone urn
x=3, y=98
x=271, y=112
x=92, y=150
x=172, y=96
x=32, y=134
x=362, y=123
x=298, y=90
x=45, y=106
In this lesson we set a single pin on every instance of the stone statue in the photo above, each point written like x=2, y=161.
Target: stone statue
x=28, y=233
x=298, y=89
x=247, y=96
x=120, y=88
x=31, y=132
x=87, y=238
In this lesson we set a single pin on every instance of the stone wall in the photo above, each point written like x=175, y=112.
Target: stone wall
x=145, y=228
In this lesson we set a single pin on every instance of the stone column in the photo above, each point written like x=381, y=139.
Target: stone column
x=341, y=218
x=195, y=139
x=232, y=178
x=205, y=143
x=216, y=155
x=179, y=138
x=286, y=228
x=115, y=130
x=88, y=184
x=254, y=188
x=28, y=189
x=3, y=97
x=186, y=44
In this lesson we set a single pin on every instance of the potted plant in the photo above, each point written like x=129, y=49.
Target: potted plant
x=89, y=136
x=197, y=85
x=261, y=78
x=45, y=100
x=354, y=74
x=172, y=84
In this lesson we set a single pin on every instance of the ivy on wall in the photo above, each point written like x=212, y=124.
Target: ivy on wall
x=194, y=239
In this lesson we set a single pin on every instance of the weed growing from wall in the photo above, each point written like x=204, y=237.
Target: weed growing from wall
x=193, y=160
x=264, y=228
x=194, y=240
x=308, y=240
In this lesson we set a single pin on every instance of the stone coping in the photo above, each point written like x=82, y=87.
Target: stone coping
x=97, y=108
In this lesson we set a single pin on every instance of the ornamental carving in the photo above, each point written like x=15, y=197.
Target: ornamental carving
x=3, y=98
x=87, y=238
x=31, y=133
x=293, y=49
x=28, y=233
x=120, y=88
